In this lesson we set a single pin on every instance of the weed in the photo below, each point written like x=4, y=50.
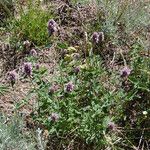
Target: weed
x=31, y=24
x=11, y=136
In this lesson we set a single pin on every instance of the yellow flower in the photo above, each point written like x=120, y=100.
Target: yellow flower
x=67, y=58
x=71, y=50
x=84, y=67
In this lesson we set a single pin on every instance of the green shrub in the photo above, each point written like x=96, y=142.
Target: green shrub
x=84, y=112
x=78, y=106
x=6, y=11
x=32, y=24
x=137, y=107
x=120, y=19
x=97, y=97
x=6, y=7
x=11, y=136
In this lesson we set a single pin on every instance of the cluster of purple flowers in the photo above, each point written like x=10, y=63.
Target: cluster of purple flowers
x=111, y=126
x=53, y=89
x=12, y=77
x=27, y=44
x=125, y=72
x=76, y=56
x=33, y=52
x=54, y=117
x=77, y=69
x=69, y=87
x=27, y=69
x=37, y=66
x=52, y=27
x=97, y=37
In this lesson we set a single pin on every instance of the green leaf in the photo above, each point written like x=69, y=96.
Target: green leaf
x=62, y=45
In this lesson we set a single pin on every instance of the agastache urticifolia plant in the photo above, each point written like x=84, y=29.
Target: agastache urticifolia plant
x=27, y=44
x=69, y=87
x=12, y=77
x=53, y=89
x=111, y=126
x=37, y=66
x=54, y=117
x=97, y=37
x=52, y=27
x=27, y=69
x=33, y=52
x=77, y=70
x=125, y=72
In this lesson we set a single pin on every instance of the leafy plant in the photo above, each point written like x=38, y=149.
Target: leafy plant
x=90, y=101
x=32, y=24
x=84, y=110
x=6, y=6
x=3, y=89
x=11, y=136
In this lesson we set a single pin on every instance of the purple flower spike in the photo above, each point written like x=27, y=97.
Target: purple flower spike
x=27, y=68
x=27, y=44
x=54, y=88
x=52, y=27
x=12, y=77
x=33, y=52
x=37, y=66
x=69, y=87
x=111, y=126
x=125, y=72
x=51, y=90
x=97, y=37
x=76, y=56
x=54, y=117
x=77, y=69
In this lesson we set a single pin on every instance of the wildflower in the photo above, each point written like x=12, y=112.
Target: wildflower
x=97, y=37
x=33, y=52
x=76, y=56
x=27, y=44
x=37, y=66
x=52, y=27
x=145, y=112
x=84, y=67
x=86, y=36
x=71, y=50
x=77, y=69
x=53, y=89
x=12, y=77
x=68, y=58
x=125, y=72
x=27, y=68
x=111, y=126
x=39, y=132
x=54, y=117
x=69, y=87
x=101, y=36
